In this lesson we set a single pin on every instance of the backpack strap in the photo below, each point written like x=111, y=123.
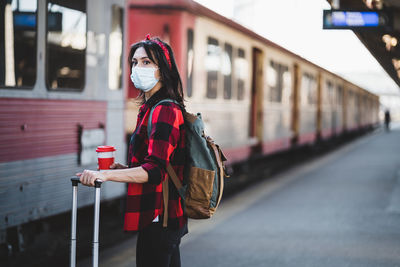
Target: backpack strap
x=217, y=154
x=165, y=188
x=176, y=181
x=179, y=187
x=165, y=191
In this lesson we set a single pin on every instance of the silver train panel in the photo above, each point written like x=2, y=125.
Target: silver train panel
x=37, y=188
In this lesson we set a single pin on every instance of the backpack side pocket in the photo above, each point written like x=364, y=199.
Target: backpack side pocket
x=198, y=194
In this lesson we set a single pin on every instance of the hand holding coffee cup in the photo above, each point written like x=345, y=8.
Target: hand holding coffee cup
x=105, y=156
x=105, y=159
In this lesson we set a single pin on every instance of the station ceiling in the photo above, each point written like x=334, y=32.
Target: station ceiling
x=384, y=44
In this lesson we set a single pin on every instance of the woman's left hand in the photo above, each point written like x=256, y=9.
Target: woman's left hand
x=88, y=177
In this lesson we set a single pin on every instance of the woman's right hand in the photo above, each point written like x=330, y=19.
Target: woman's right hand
x=117, y=165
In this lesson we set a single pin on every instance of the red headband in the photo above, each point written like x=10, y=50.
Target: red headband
x=160, y=44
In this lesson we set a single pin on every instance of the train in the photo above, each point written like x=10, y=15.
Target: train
x=65, y=89
x=255, y=96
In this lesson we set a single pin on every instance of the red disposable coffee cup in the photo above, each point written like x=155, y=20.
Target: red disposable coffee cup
x=105, y=157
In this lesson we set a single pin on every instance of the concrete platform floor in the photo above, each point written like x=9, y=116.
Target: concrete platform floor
x=342, y=209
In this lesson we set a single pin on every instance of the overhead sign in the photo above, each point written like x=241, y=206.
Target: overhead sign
x=27, y=21
x=349, y=19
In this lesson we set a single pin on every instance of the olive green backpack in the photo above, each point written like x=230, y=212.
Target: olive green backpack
x=204, y=173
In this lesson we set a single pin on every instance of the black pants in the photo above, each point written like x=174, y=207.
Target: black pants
x=159, y=247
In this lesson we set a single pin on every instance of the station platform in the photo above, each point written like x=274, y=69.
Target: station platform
x=341, y=209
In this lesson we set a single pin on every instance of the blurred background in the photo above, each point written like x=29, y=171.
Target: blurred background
x=299, y=28
x=280, y=85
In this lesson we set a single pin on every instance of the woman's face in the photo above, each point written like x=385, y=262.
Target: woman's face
x=141, y=59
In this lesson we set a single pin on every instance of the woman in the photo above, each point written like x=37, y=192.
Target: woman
x=154, y=72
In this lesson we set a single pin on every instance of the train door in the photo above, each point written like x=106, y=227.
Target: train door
x=344, y=108
x=256, y=119
x=295, y=119
x=332, y=102
x=319, y=106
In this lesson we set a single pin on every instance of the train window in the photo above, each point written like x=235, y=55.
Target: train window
x=271, y=77
x=227, y=70
x=309, y=87
x=357, y=106
x=286, y=85
x=304, y=90
x=275, y=78
x=332, y=96
x=18, y=33
x=241, y=72
x=115, y=49
x=329, y=93
x=350, y=99
x=190, y=62
x=213, y=63
x=66, y=44
x=339, y=95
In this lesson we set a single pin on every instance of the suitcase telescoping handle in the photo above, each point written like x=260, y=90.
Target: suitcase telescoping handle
x=95, y=251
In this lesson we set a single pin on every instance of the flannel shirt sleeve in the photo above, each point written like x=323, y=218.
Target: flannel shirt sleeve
x=163, y=139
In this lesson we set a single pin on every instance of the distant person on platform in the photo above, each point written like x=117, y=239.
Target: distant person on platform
x=387, y=120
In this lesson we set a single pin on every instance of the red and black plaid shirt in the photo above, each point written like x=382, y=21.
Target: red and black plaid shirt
x=166, y=144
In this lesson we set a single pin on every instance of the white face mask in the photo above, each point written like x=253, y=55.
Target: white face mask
x=144, y=78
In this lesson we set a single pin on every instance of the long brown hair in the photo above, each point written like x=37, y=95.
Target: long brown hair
x=170, y=78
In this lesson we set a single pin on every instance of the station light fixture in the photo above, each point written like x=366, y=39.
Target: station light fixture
x=374, y=4
x=396, y=65
x=393, y=41
x=390, y=41
x=335, y=4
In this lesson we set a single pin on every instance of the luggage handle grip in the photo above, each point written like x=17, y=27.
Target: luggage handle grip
x=75, y=180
